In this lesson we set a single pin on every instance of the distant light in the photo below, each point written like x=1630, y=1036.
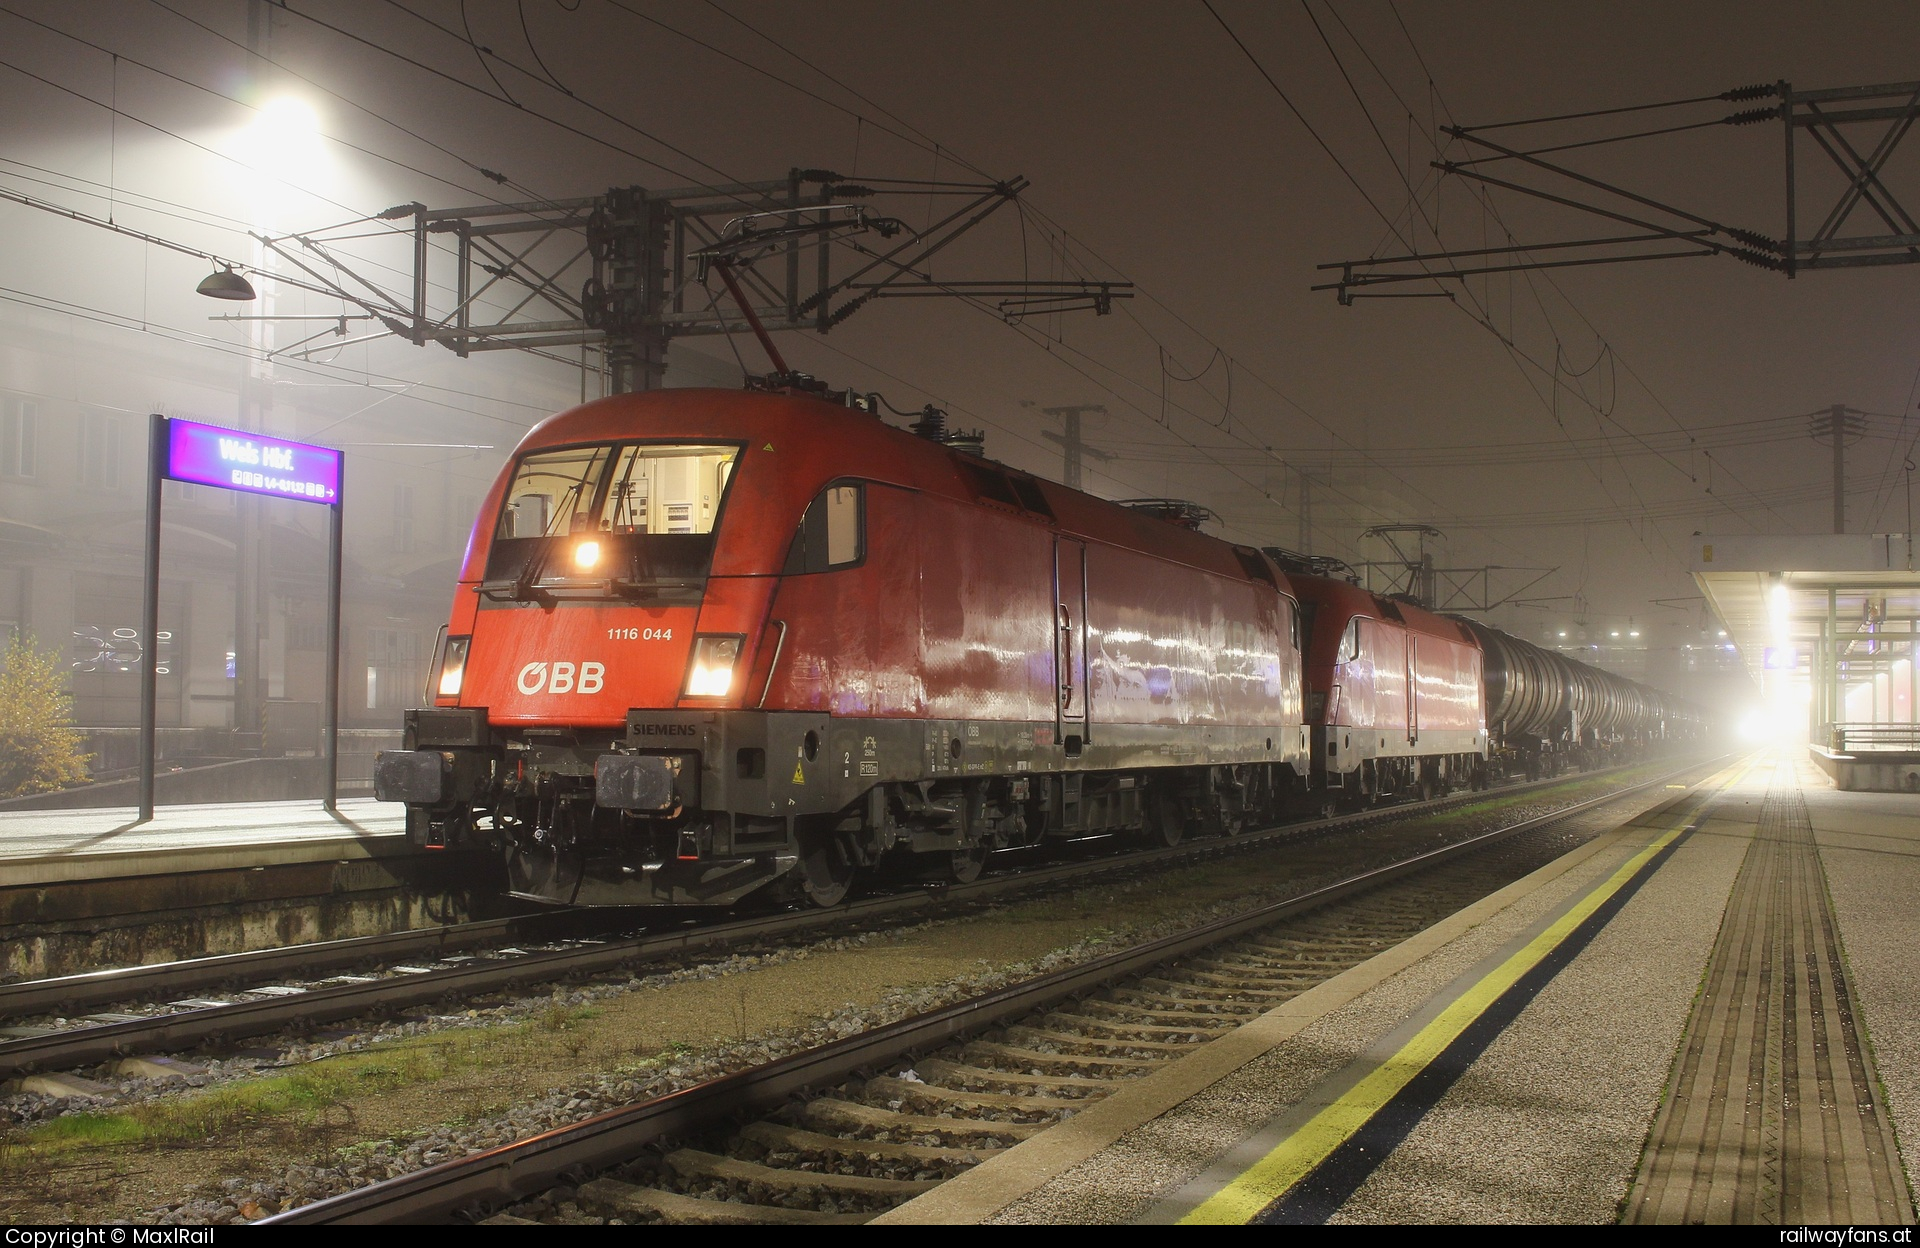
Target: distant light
x=224, y=283
x=1778, y=609
x=1634, y=633
x=1563, y=632
x=1616, y=633
x=1723, y=632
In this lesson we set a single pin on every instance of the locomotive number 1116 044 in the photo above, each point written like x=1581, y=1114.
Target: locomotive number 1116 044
x=639, y=634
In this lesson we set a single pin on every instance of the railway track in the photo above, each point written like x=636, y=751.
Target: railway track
x=820, y=1137
x=134, y=1011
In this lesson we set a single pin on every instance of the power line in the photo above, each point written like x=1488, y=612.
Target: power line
x=1507, y=341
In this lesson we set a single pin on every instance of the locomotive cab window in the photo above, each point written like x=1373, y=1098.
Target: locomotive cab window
x=618, y=489
x=613, y=520
x=833, y=532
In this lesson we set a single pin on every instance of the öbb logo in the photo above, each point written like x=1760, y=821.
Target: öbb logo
x=562, y=678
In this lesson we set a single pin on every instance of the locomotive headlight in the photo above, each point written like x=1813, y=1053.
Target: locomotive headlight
x=586, y=554
x=710, y=674
x=453, y=667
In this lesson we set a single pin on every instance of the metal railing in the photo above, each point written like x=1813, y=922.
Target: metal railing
x=1867, y=736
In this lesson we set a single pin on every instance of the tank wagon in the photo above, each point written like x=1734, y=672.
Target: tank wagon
x=707, y=644
x=1546, y=711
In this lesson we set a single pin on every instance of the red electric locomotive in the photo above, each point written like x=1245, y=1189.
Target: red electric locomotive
x=1395, y=699
x=708, y=644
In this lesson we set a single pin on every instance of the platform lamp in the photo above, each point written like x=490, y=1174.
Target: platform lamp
x=224, y=283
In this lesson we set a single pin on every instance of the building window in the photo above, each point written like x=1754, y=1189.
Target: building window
x=393, y=668
x=19, y=438
x=100, y=451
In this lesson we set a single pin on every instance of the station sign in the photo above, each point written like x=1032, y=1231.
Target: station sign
x=230, y=459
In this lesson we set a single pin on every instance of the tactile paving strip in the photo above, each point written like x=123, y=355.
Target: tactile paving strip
x=1773, y=1115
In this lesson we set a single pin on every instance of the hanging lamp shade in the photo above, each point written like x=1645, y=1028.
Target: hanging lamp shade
x=224, y=283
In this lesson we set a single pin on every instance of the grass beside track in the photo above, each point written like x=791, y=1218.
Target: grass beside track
x=303, y=1095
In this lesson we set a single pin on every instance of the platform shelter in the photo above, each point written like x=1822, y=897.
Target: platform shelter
x=1827, y=624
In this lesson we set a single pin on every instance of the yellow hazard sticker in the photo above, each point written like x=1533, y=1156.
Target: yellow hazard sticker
x=769, y=446
x=799, y=777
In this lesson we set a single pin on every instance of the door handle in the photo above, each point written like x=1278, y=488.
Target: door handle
x=1066, y=658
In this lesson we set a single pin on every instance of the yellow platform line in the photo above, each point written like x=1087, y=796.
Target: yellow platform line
x=1270, y=1178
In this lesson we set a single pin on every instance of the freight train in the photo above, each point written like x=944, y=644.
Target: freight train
x=711, y=646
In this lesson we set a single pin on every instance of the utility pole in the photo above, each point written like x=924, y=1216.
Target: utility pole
x=1839, y=425
x=250, y=514
x=1071, y=446
x=1307, y=477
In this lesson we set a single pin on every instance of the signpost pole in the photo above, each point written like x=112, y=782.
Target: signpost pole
x=150, y=613
x=233, y=459
x=330, y=728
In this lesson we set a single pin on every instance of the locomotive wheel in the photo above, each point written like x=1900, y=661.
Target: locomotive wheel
x=826, y=871
x=965, y=865
x=1166, y=821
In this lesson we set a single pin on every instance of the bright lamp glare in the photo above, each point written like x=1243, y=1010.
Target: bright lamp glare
x=711, y=675
x=453, y=666
x=283, y=140
x=586, y=554
x=289, y=117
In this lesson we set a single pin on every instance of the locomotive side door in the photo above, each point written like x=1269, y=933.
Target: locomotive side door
x=1413, y=688
x=1070, y=642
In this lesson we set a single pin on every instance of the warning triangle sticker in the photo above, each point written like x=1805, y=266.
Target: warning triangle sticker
x=799, y=777
x=769, y=446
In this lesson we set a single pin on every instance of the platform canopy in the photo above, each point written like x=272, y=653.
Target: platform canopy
x=1839, y=607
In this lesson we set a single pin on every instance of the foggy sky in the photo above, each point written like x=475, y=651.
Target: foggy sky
x=1159, y=148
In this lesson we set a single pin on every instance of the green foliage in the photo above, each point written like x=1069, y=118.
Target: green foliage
x=39, y=749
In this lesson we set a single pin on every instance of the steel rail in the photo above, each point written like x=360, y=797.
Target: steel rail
x=71, y=1047
x=68, y=993
x=499, y=1176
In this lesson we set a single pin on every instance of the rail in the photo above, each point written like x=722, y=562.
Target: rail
x=70, y=1047
x=499, y=1176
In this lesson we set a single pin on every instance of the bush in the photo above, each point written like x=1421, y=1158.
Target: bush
x=39, y=749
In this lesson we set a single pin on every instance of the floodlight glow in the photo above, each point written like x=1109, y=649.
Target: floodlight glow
x=586, y=554
x=283, y=141
x=1777, y=611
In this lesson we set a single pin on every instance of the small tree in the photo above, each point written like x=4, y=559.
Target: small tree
x=39, y=749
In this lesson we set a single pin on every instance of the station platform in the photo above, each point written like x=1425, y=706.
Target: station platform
x=43, y=847
x=1708, y=1015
